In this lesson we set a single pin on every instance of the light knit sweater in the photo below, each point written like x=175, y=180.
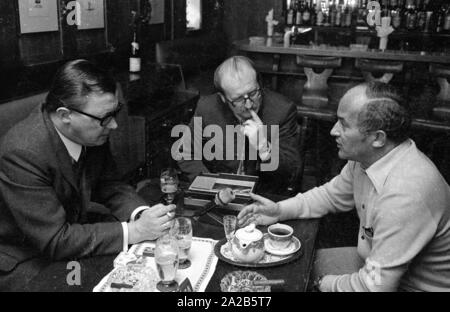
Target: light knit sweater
x=403, y=204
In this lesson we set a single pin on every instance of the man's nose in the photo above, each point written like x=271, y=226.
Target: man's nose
x=334, y=131
x=112, y=124
x=248, y=103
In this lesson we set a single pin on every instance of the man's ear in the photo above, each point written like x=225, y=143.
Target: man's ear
x=380, y=139
x=63, y=114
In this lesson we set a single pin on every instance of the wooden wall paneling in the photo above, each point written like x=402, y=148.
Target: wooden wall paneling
x=8, y=35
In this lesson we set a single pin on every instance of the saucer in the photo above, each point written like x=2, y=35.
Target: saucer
x=293, y=247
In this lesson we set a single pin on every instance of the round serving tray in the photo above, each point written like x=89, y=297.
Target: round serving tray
x=269, y=260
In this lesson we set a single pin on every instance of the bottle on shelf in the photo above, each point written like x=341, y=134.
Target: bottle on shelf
x=440, y=18
x=385, y=11
x=421, y=15
x=306, y=17
x=347, y=18
x=299, y=13
x=320, y=15
x=410, y=15
x=429, y=14
x=135, y=57
x=339, y=16
x=396, y=14
x=361, y=20
x=290, y=15
x=312, y=13
x=333, y=13
x=447, y=19
x=326, y=15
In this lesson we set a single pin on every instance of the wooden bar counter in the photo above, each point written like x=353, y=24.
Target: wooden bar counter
x=341, y=51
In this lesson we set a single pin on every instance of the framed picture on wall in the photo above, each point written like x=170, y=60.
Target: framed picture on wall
x=38, y=16
x=157, y=11
x=92, y=14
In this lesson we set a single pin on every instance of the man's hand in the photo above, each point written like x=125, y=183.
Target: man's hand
x=152, y=224
x=252, y=128
x=263, y=212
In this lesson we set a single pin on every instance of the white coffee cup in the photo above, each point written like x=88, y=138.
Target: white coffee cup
x=280, y=235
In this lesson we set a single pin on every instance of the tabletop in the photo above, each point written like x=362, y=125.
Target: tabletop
x=57, y=276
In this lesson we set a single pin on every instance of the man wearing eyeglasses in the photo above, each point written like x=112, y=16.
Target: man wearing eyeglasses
x=56, y=169
x=402, y=201
x=242, y=101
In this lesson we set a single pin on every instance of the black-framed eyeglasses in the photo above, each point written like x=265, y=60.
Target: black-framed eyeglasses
x=240, y=101
x=105, y=120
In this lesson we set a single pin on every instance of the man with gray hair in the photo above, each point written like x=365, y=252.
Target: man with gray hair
x=401, y=199
x=242, y=102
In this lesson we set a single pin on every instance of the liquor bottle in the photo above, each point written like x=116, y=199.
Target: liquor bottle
x=307, y=15
x=396, y=14
x=135, y=58
x=410, y=15
x=333, y=13
x=440, y=18
x=290, y=15
x=447, y=19
x=361, y=22
x=429, y=15
x=299, y=13
x=421, y=15
x=348, y=16
x=327, y=15
x=339, y=16
x=320, y=16
x=313, y=14
x=385, y=12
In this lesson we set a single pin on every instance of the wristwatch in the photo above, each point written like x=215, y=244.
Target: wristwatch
x=316, y=283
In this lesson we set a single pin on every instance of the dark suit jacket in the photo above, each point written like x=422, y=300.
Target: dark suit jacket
x=275, y=110
x=43, y=210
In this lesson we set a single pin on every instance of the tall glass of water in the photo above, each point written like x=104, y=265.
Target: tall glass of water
x=229, y=226
x=166, y=258
x=169, y=184
x=182, y=231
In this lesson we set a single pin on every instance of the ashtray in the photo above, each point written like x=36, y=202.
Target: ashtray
x=242, y=281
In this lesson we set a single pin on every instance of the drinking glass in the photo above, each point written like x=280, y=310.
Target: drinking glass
x=229, y=225
x=169, y=184
x=166, y=258
x=182, y=231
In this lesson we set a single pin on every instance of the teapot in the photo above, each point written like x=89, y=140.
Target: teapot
x=248, y=244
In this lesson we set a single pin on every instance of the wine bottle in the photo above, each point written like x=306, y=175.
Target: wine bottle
x=307, y=15
x=385, y=12
x=421, y=15
x=299, y=13
x=395, y=14
x=333, y=13
x=135, y=58
x=410, y=15
x=320, y=16
x=447, y=19
x=290, y=15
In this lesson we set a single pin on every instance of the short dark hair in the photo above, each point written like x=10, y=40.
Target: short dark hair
x=75, y=80
x=385, y=110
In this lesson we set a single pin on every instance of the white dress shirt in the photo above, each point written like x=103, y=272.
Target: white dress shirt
x=74, y=149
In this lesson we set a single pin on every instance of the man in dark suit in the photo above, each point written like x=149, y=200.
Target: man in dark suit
x=267, y=120
x=55, y=166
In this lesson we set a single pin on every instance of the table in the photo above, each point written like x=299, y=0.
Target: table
x=296, y=273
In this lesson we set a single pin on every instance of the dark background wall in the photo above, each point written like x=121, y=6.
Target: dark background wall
x=28, y=61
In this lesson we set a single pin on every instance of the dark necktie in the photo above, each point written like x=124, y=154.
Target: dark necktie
x=78, y=165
